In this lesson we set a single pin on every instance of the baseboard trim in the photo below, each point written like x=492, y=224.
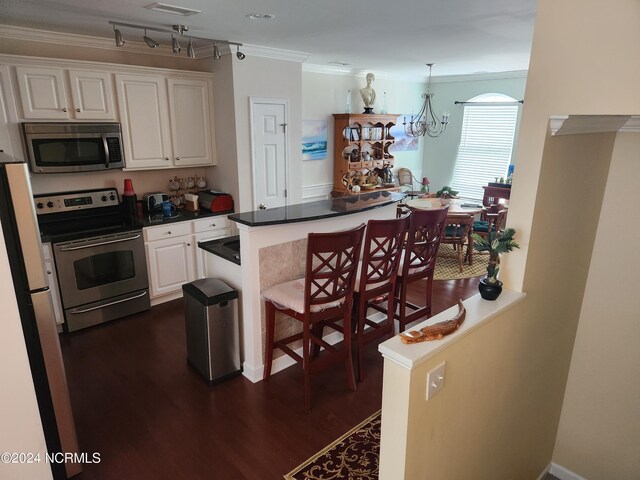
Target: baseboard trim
x=544, y=472
x=564, y=473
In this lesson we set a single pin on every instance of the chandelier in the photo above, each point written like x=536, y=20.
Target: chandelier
x=426, y=121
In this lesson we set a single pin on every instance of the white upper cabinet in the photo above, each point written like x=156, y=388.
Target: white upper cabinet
x=92, y=95
x=43, y=94
x=144, y=118
x=165, y=122
x=191, y=123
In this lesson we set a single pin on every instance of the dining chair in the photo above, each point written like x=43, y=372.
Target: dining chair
x=493, y=219
x=495, y=195
x=418, y=261
x=376, y=283
x=321, y=298
x=457, y=233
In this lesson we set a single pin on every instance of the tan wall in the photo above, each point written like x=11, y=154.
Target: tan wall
x=498, y=412
x=599, y=432
x=497, y=416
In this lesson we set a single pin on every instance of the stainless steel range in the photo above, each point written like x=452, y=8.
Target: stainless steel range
x=99, y=254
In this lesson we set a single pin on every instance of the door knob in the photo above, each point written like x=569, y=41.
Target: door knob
x=262, y=206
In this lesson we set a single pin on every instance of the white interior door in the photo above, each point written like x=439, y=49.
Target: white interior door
x=269, y=127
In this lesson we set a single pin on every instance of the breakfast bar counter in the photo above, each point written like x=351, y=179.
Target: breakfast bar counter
x=273, y=250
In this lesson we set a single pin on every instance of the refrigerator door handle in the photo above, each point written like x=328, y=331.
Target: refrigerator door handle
x=27, y=223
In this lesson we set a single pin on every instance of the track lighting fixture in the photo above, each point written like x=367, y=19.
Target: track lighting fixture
x=175, y=45
x=149, y=41
x=119, y=38
x=175, y=32
x=191, y=53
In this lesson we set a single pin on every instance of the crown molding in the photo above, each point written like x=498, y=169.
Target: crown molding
x=327, y=69
x=579, y=124
x=274, y=53
x=632, y=125
x=71, y=39
x=477, y=77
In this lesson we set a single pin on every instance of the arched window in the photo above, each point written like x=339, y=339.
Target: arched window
x=486, y=143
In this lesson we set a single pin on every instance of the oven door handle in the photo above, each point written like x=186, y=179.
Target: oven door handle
x=68, y=249
x=85, y=310
x=106, y=150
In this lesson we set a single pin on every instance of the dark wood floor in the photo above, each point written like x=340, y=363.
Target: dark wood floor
x=151, y=417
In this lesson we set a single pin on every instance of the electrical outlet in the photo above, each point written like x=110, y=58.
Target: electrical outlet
x=435, y=380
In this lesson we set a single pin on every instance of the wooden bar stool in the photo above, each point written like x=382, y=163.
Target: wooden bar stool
x=376, y=282
x=323, y=297
x=425, y=232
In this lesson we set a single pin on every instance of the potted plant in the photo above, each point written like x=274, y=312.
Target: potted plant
x=495, y=243
x=445, y=194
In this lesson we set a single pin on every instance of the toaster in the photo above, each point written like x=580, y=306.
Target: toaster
x=152, y=201
x=214, y=201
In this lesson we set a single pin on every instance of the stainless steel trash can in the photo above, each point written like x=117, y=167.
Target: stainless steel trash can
x=213, y=337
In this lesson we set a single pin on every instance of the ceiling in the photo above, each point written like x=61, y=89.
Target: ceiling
x=386, y=37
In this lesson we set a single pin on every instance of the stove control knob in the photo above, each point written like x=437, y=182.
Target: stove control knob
x=40, y=205
x=112, y=197
x=50, y=204
x=104, y=198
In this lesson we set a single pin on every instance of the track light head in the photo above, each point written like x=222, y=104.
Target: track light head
x=149, y=41
x=118, y=36
x=191, y=53
x=216, y=52
x=175, y=45
x=239, y=54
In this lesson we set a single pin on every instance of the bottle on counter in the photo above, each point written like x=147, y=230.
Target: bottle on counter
x=129, y=202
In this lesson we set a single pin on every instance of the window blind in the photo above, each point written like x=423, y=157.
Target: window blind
x=485, y=148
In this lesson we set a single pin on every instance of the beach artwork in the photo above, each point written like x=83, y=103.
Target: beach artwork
x=403, y=141
x=314, y=139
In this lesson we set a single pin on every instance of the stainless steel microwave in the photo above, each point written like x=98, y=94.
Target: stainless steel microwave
x=73, y=147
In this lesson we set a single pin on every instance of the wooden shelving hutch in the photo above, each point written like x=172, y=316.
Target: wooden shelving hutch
x=369, y=135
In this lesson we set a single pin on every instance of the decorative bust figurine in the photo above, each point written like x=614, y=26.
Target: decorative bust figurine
x=368, y=94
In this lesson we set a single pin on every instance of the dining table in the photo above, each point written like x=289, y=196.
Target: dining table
x=457, y=206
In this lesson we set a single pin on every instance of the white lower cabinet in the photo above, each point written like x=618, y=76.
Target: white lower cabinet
x=173, y=256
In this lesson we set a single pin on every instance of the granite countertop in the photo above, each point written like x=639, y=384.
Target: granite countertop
x=345, y=205
x=227, y=248
x=180, y=215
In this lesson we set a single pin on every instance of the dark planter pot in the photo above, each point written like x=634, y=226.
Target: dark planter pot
x=489, y=291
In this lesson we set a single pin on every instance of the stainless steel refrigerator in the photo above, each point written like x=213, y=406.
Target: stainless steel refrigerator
x=22, y=240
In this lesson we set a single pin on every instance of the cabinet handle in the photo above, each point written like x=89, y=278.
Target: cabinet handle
x=169, y=232
x=78, y=110
x=166, y=158
x=178, y=158
x=188, y=244
x=213, y=224
x=64, y=109
x=48, y=272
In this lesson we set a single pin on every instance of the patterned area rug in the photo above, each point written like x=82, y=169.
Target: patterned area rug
x=447, y=266
x=354, y=456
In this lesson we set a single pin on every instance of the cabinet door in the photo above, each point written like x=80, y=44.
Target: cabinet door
x=144, y=117
x=42, y=93
x=191, y=122
x=170, y=263
x=201, y=262
x=92, y=95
